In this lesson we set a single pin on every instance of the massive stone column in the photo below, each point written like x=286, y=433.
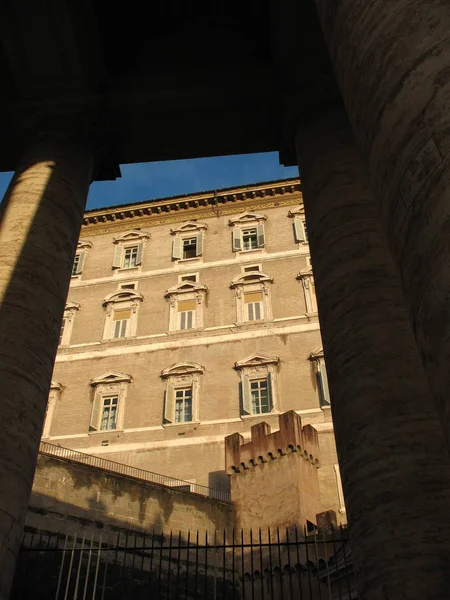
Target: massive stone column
x=41, y=216
x=392, y=63
x=394, y=467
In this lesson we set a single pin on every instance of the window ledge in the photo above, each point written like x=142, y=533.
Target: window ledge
x=250, y=251
x=185, y=331
x=188, y=260
x=259, y=415
x=105, y=431
x=78, y=276
x=251, y=324
x=126, y=269
x=184, y=423
x=116, y=340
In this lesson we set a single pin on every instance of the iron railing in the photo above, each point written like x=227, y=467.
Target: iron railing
x=129, y=471
x=266, y=565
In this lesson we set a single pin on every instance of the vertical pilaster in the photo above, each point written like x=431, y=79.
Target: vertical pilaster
x=395, y=470
x=41, y=216
x=392, y=64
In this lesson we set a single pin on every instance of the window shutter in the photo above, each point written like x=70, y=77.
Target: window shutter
x=139, y=254
x=177, y=248
x=80, y=262
x=270, y=390
x=117, y=260
x=95, y=415
x=199, y=245
x=260, y=233
x=324, y=382
x=237, y=239
x=246, y=395
x=299, y=231
x=169, y=407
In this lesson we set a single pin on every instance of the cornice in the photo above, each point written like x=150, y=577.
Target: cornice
x=195, y=206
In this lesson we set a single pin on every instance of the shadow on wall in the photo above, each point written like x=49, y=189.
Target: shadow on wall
x=219, y=480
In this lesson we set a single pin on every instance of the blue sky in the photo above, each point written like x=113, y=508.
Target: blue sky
x=145, y=181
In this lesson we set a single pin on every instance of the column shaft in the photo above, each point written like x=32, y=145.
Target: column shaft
x=41, y=216
x=392, y=63
x=395, y=471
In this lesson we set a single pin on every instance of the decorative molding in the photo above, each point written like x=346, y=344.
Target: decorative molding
x=84, y=245
x=72, y=306
x=123, y=296
x=188, y=227
x=182, y=368
x=318, y=353
x=307, y=272
x=111, y=377
x=298, y=211
x=186, y=287
x=55, y=385
x=131, y=236
x=250, y=277
x=256, y=360
x=247, y=218
x=205, y=205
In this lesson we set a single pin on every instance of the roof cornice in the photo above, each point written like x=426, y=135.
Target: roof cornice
x=202, y=205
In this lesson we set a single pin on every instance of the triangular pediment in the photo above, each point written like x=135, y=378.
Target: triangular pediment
x=132, y=235
x=84, y=244
x=111, y=377
x=55, y=385
x=189, y=226
x=306, y=272
x=247, y=217
x=72, y=305
x=257, y=359
x=182, y=368
x=298, y=211
x=317, y=353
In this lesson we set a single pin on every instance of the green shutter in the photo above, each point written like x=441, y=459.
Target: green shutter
x=246, y=395
x=270, y=390
x=237, y=239
x=139, y=254
x=169, y=405
x=324, y=382
x=177, y=248
x=95, y=415
x=260, y=233
x=80, y=262
x=299, y=231
x=199, y=245
x=117, y=260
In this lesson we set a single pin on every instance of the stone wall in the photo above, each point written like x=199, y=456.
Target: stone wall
x=72, y=497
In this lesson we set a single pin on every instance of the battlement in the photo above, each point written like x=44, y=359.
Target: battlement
x=265, y=445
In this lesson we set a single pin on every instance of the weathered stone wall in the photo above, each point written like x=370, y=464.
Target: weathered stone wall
x=71, y=497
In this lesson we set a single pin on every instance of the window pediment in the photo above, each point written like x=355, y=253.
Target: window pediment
x=84, y=245
x=189, y=227
x=111, y=377
x=247, y=218
x=251, y=277
x=298, y=211
x=131, y=236
x=71, y=306
x=55, y=385
x=315, y=354
x=123, y=296
x=256, y=360
x=308, y=272
x=186, y=287
x=180, y=369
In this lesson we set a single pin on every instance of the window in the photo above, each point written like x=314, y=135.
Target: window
x=321, y=377
x=109, y=412
x=299, y=224
x=254, y=306
x=188, y=241
x=193, y=277
x=247, y=232
x=257, y=384
x=186, y=314
x=251, y=268
x=121, y=319
x=253, y=301
x=309, y=290
x=128, y=250
x=80, y=256
x=183, y=405
x=186, y=302
x=53, y=399
x=182, y=393
x=128, y=286
x=121, y=314
x=67, y=322
x=108, y=406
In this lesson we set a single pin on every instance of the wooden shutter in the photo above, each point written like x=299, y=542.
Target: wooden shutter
x=324, y=382
x=246, y=395
x=260, y=234
x=80, y=262
x=299, y=231
x=270, y=390
x=237, y=239
x=177, y=248
x=95, y=415
x=199, y=245
x=169, y=405
x=139, y=254
x=117, y=260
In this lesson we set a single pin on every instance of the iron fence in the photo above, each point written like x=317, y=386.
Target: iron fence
x=129, y=471
x=248, y=565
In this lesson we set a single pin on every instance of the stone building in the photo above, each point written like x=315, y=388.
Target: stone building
x=188, y=319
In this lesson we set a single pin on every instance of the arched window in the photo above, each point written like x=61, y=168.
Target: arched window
x=121, y=314
x=253, y=301
x=186, y=300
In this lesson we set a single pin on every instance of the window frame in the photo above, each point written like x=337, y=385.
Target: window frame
x=250, y=283
x=245, y=222
x=306, y=276
x=190, y=230
x=256, y=368
x=111, y=384
x=186, y=292
x=177, y=377
x=299, y=226
x=321, y=377
x=130, y=239
x=83, y=246
x=70, y=310
x=116, y=302
x=54, y=397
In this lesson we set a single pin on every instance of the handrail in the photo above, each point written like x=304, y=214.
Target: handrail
x=129, y=471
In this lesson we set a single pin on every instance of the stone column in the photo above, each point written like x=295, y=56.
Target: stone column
x=392, y=63
x=394, y=467
x=41, y=216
